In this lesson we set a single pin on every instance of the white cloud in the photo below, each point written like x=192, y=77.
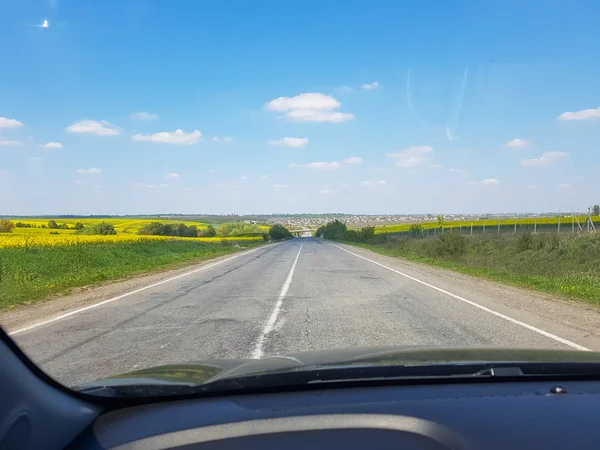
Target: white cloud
x=90, y=171
x=144, y=185
x=564, y=186
x=264, y=177
x=325, y=191
x=144, y=116
x=163, y=185
x=369, y=183
x=177, y=137
x=546, y=159
x=9, y=123
x=370, y=86
x=172, y=176
x=45, y=24
x=290, y=142
x=353, y=160
x=10, y=143
x=461, y=172
x=81, y=181
x=52, y=145
x=344, y=90
x=490, y=181
x=320, y=165
x=225, y=139
x=584, y=114
x=102, y=128
x=280, y=186
x=518, y=143
x=310, y=107
x=35, y=159
x=412, y=156
x=244, y=177
x=531, y=187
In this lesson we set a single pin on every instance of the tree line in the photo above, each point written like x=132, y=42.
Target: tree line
x=338, y=230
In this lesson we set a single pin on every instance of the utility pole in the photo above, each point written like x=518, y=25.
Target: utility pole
x=499, y=226
x=514, y=232
x=534, y=225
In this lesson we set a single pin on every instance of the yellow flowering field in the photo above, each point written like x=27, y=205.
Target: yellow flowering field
x=17, y=240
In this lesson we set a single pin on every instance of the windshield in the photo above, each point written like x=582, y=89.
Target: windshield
x=218, y=188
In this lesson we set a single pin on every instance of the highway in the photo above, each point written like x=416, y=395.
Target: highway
x=303, y=294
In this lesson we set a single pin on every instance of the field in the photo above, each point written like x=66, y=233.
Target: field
x=541, y=223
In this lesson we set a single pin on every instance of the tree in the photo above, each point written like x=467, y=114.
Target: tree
x=79, y=226
x=52, y=224
x=278, y=231
x=332, y=230
x=103, y=228
x=440, y=221
x=6, y=226
x=210, y=231
x=596, y=210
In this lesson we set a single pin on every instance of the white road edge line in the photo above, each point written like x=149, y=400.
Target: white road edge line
x=119, y=297
x=257, y=353
x=476, y=305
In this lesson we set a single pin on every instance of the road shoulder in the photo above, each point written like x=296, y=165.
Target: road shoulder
x=570, y=319
x=25, y=315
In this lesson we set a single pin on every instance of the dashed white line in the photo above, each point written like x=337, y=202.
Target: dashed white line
x=119, y=297
x=476, y=305
x=257, y=353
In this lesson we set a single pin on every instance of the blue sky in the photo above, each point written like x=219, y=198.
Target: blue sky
x=298, y=106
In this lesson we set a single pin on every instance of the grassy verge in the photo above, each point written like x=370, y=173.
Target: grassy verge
x=29, y=275
x=567, y=266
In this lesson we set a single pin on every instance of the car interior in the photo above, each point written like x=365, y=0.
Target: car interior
x=492, y=413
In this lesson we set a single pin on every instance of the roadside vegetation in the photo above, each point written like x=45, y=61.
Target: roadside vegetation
x=562, y=264
x=34, y=273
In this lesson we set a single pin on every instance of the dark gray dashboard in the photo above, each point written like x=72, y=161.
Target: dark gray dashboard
x=467, y=416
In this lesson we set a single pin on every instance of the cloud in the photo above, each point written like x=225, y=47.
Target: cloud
x=177, y=137
x=518, y=143
x=52, y=145
x=90, y=171
x=102, y=128
x=310, y=107
x=531, y=187
x=369, y=183
x=490, y=181
x=320, y=165
x=163, y=185
x=563, y=186
x=290, y=142
x=584, y=114
x=280, y=186
x=412, y=156
x=370, y=86
x=353, y=160
x=344, y=90
x=45, y=24
x=244, y=177
x=9, y=123
x=81, y=181
x=544, y=160
x=10, y=143
x=144, y=116
x=264, y=177
x=35, y=159
x=461, y=172
x=172, y=176
x=325, y=191
x=225, y=139
x=144, y=185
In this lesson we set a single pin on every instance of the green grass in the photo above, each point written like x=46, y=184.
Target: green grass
x=563, y=265
x=31, y=275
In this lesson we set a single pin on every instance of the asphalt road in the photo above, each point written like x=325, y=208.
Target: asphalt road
x=304, y=294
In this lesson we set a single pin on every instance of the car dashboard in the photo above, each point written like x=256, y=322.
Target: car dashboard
x=492, y=415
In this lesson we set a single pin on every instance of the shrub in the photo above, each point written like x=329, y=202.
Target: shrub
x=278, y=231
x=451, y=244
x=416, y=230
x=332, y=230
x=367, y=233
x=79, y=226
x=54, y=232
x=52, y=224
x=103, y=228
x=6, y=226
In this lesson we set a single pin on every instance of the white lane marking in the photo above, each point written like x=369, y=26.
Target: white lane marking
x=477, y=305
x=119, y=297
x=257, y=353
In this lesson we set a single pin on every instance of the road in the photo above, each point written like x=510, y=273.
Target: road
x=303, y=294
